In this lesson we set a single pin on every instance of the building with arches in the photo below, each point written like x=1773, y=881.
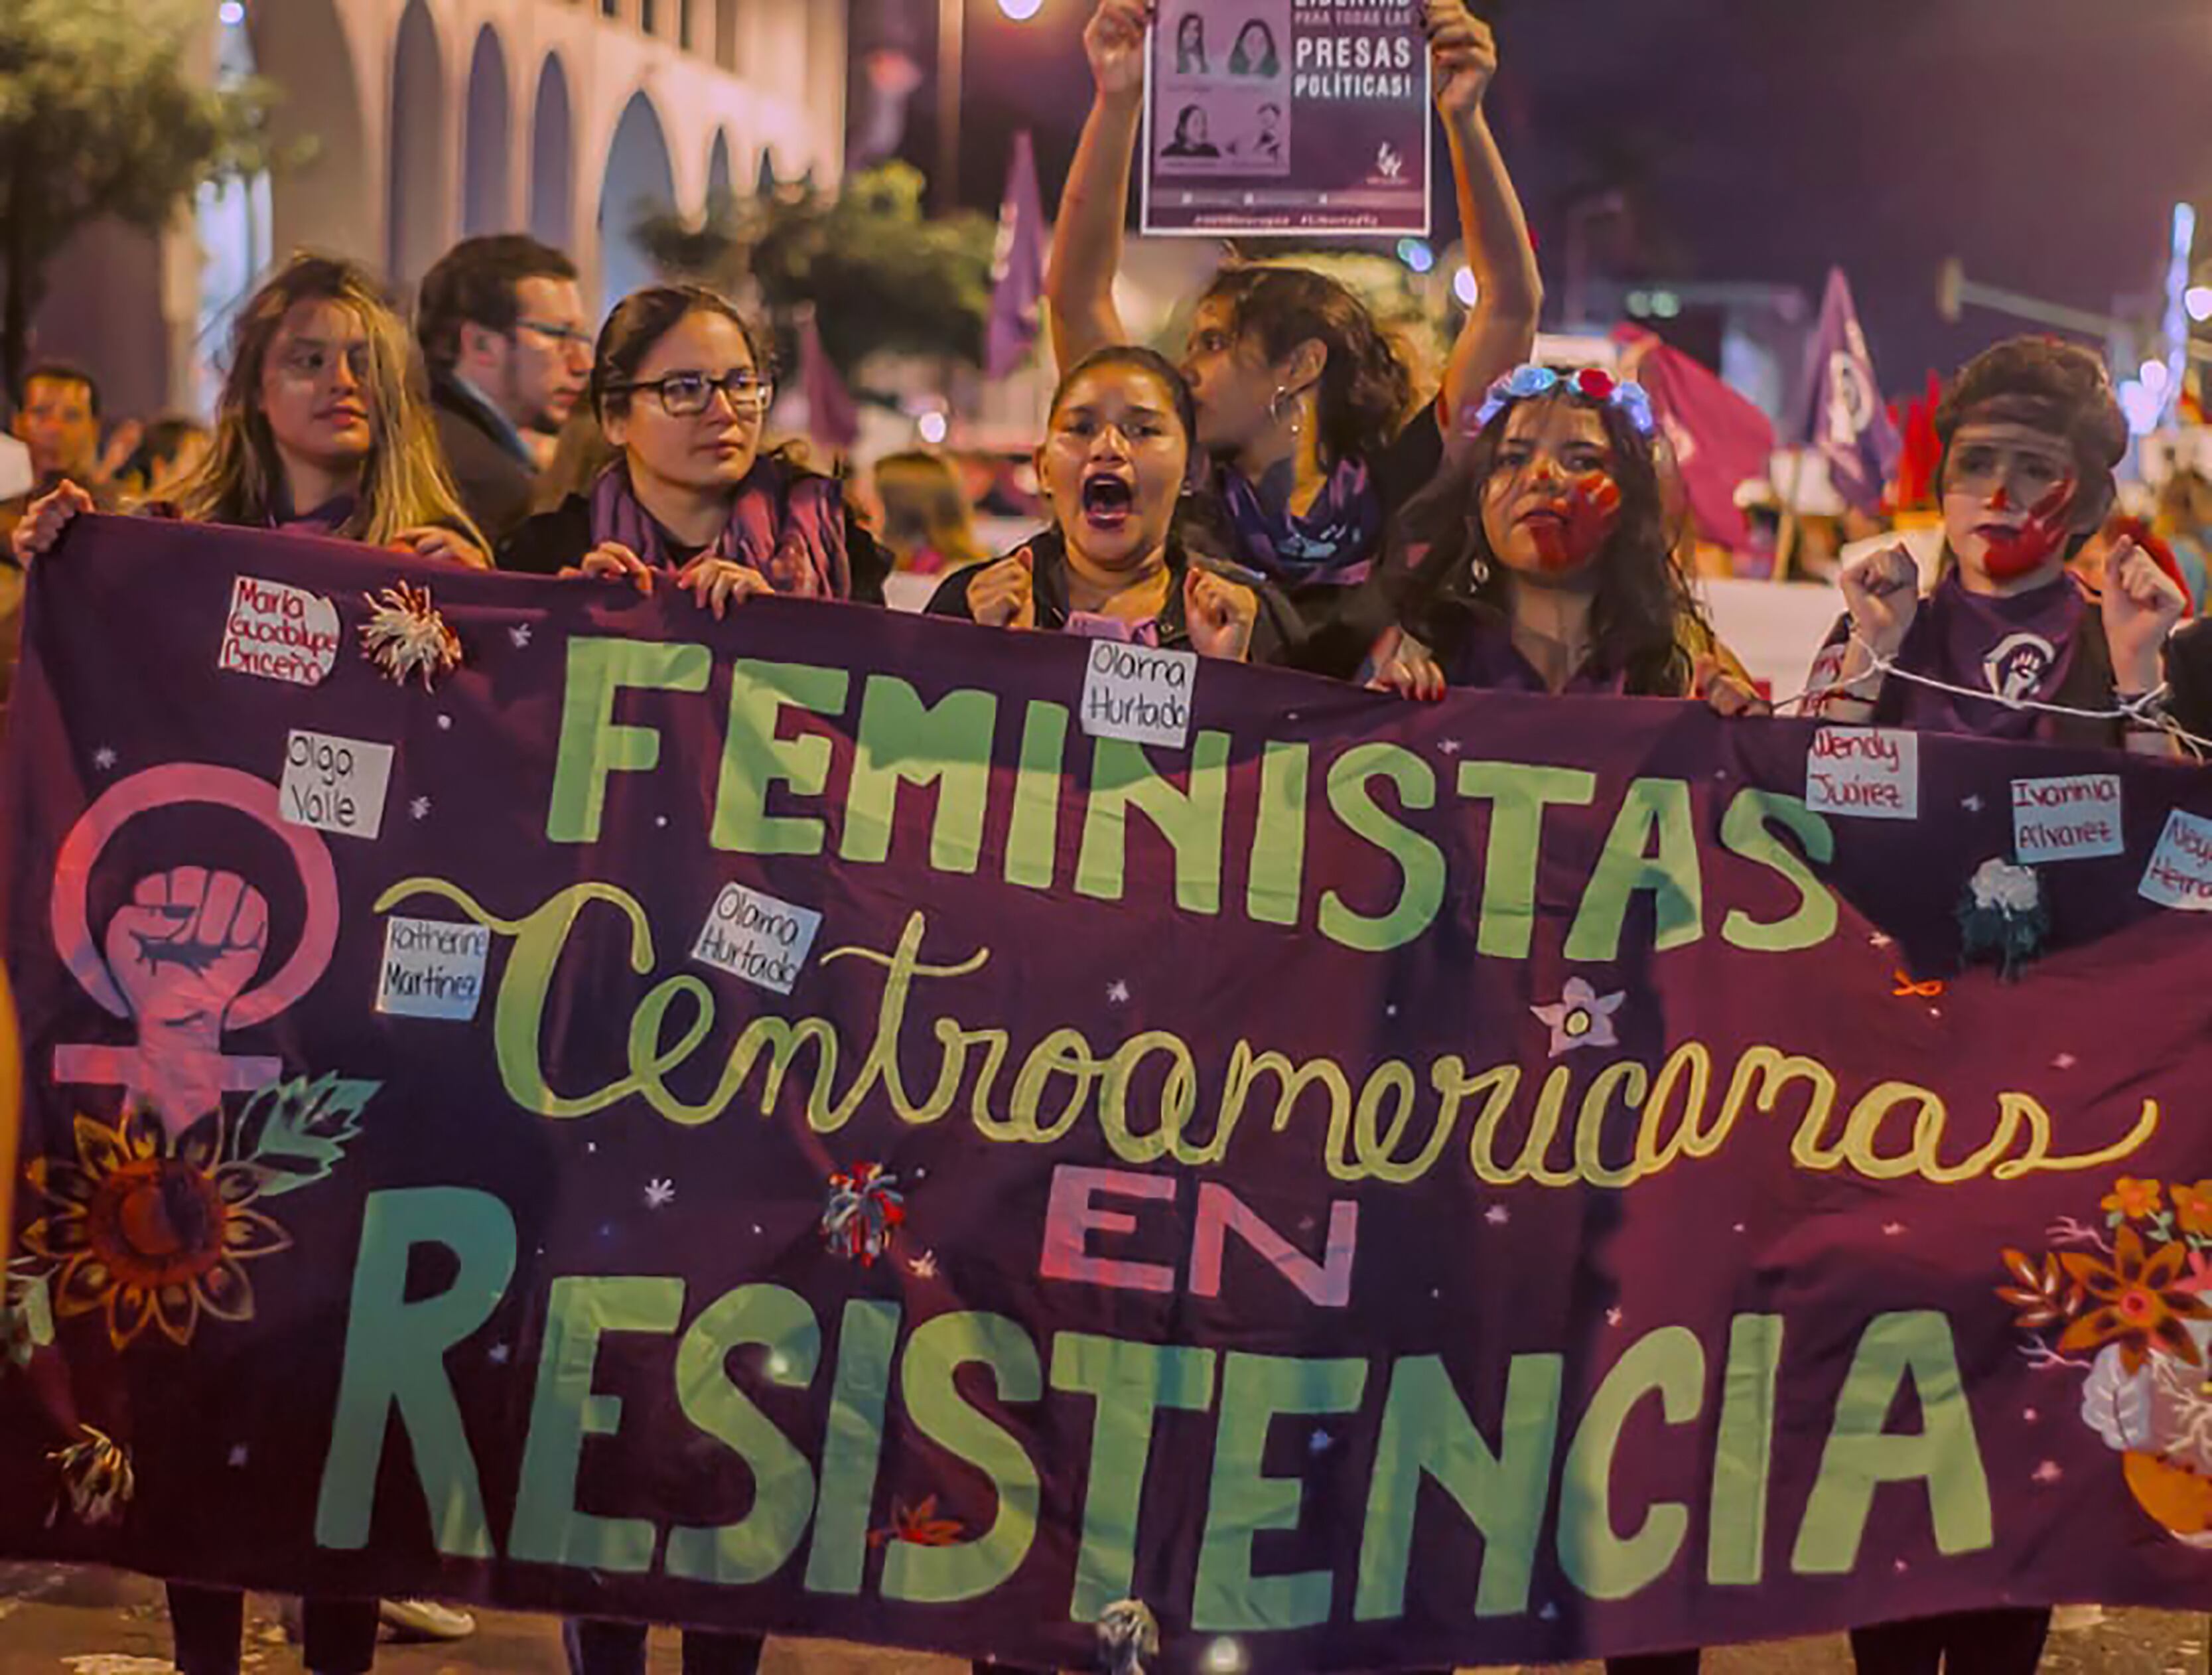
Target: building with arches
x=429, y=121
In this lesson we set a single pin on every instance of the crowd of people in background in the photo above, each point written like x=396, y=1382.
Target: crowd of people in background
x=1280, y=494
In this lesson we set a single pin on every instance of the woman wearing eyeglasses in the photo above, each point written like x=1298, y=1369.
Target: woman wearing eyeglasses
x=682, y=390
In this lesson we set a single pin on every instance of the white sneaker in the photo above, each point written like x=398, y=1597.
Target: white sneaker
x=425, y=1619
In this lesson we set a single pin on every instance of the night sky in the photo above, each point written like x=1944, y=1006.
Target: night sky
x=2044, y=141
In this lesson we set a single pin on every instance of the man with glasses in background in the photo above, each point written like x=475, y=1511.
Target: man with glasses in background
x=503, y=330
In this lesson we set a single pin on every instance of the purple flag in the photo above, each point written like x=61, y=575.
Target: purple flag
x=1845, y=421
x=1016, y=265
x=831, y=418
x=1718, y=438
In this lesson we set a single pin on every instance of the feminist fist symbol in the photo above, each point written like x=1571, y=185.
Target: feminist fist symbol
x=182, y=952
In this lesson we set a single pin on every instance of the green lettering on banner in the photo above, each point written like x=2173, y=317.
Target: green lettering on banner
x=1861, y=1456
x=1427, y=1434
x=1122, y=778
x=853, y=1448
x=903, y=740
x=548, y=1528
x=1518, y=796
x=1243, y=1501
x=1743, y=1457
x=1129, y=1383
x=1033, y=830
x=395, y=1358
x=1745, y=831
x=1274, y=891
x=757, y=1545
x=938, y=1348
x=1420, y=862
x=1669, y=1363
x=754, y=759
x=592, y=743
x=1660, y=807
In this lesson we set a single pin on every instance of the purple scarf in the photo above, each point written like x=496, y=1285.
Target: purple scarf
x=2021, y=646
x=787, y=524
x=1097, y=625
x=1333, y=544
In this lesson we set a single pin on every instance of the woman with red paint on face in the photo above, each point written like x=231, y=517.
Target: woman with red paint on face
x=2031, y=432
x=1304, y=404
x=1542, y=559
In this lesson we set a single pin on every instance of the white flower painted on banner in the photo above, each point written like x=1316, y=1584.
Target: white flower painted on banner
x=2049, y=1472
x=419, y=809
x=2001, y=885
x=924, y=1267
x=1880, y=940
x=1451, y=748
x=499, y=1353
x=1971, y=805
x=103, y=759
x=2064, y=1061
x=445, y=723
x=659, y=1194
x=238, y=1456
x=1498, y=1215
x=1581, y=1018
x=1117, y=993
x=1615, y=1315
x=520, y=633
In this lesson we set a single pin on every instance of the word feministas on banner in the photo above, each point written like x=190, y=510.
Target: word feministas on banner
x=1373, y=1130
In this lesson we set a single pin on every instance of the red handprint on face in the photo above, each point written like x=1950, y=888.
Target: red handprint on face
x=181, y=953
x=1592, y=510
x=2033, y=544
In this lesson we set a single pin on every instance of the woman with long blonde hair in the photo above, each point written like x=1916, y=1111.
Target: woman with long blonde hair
x=324, y=428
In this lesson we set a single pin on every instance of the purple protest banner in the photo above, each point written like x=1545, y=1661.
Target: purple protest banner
x=773, y=1124
x=1287, y=117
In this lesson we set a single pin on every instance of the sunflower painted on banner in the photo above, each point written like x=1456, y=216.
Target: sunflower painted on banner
x=864, y=1214
x=97, y=1478
x=2125, y=1309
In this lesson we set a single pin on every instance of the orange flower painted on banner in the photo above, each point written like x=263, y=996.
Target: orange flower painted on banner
x=2133, y=1200
x=152, y=1232
x=2192, y=1206
x=2139, y=1305
x=2040, y=1293
x=920, y=1527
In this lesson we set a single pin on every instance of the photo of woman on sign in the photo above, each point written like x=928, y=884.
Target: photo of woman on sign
x=1254, y=52
x=1190, y=46
x=1190, y=136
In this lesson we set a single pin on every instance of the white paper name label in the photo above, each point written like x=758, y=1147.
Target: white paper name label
x=2075, y=818
x=334, y=785
x=432, y=969
x=279, y=633
x=758, y=938
x=1139, y=694
x=1869, y=772
x=2180, y=871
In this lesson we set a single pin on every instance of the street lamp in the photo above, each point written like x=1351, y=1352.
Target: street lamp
x=951, y=48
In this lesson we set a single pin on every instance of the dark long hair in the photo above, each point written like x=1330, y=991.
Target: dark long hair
x=1190, y=54
x=1365, y=388
x=1242, y=64
x=1645, y=623
x=1197, y=529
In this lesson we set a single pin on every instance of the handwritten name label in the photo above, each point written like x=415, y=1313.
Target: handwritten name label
x=1869, y=772
x=757, y=938
x=1139, y=694
x=334, y=785
x=2075, y=818
x=2180, y=871
x=279, y=633
x=432, y=969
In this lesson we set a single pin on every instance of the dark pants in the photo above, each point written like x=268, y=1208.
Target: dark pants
x=208, y=1624
x=2000, y=1643
x=596, y=1647
x=1655, y=1663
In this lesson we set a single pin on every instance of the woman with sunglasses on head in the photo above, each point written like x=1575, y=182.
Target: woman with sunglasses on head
x=324, y=428
x=682, y=389
x=1541, y=560
x=1306, y=406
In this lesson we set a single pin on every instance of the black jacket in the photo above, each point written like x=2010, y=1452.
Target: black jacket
x=2189, y=676
x=553, y=541
x=495, y=482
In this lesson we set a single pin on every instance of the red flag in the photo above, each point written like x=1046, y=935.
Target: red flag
x=1719, y=438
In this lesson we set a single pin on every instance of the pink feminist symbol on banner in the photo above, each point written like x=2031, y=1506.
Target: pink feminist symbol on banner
x=177, y=959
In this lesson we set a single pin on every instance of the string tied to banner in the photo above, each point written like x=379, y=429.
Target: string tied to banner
x=2146, y=711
